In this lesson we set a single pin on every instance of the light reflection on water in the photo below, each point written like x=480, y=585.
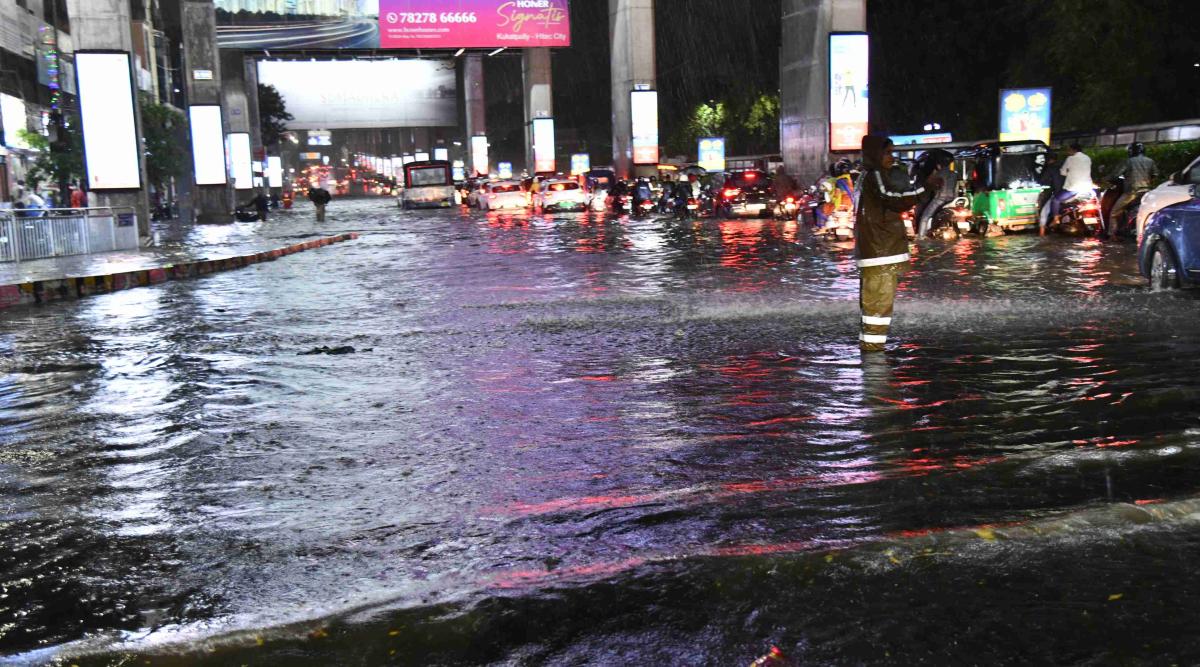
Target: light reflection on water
x=548, y=401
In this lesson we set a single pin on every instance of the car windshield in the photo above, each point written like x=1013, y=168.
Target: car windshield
x=505, y=187
x=559, y=187
x=745, y=179
x=428, y=176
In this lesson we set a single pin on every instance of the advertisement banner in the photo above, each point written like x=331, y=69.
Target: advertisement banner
x=643, y=108
x=452, y=24
x=208, y=154
x=581, y=163
x=239, y=161
x=848, y=77
x=336, y=94
x=711, y=151
x=441, y=154
x=1025, y=114
x=111, y=150
x=921, y=139
x=543, y=145
x=479, y=156
x=504, y=170
x=13, y=120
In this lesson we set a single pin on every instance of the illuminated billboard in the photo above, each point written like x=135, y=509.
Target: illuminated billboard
x=442, y=154
x=504, y=170
x=1025, y=114
x=274, y=171
x=479, y=155
x=921, y=139
x=239, y=161
x=848, y=102
x=581, y=163
x=334, y=94
x=643, y=107
x=208, y=149
x=13, y=120
x=110, y=143
x=543, y=144
x=711, y=151
x=296, y=25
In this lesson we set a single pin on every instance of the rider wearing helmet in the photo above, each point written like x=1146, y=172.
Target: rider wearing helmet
x=843, y=183
x=1139, y=173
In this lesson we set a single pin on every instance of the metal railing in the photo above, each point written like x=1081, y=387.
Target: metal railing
x=37, y=233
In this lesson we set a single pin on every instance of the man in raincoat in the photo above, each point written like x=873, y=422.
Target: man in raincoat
x=880, y=239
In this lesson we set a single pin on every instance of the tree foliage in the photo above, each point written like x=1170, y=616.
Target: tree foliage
x=273, y=114
x=161, y=128
x=59, y=166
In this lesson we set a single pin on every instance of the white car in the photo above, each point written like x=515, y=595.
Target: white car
x=501, y=195
x=1172, y=191
x=560, y=195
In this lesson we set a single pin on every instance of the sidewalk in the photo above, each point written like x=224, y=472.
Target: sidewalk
x=181, y=251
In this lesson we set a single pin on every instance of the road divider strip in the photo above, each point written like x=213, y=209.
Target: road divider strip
x=60, y=289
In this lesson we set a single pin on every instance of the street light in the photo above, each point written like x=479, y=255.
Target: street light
x=459, y=52
x=497, y=51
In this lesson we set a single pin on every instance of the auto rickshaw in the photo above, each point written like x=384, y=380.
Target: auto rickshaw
x=1000, y=178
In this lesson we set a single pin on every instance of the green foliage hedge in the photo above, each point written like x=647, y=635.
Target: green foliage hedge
x=1170, y=158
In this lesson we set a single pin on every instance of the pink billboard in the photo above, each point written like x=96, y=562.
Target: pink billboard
x=452, y=24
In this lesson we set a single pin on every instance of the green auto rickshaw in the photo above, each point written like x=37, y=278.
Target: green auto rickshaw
x=1001, y=180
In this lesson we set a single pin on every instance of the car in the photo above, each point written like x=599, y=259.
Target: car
x=560, y=194
x=1174, y=190
x=746, y=193
x=1169, y=243
x=501, y=195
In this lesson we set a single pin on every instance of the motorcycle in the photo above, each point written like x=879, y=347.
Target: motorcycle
x=787, y=208
x=1079, y=216
x=952, y=219
x=1127, y=225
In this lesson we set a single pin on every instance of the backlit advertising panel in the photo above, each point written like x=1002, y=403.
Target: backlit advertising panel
x=442, y=154
x=643, y=107
x=1025, y=114
x=336, y=94
x=110, y=141
x=13, y=120
x=543, y=144
x=711, y=151
x=504, y=170
x=921, y=139
x=581, y=163
x=848, y=77
x=442, y=24
x=239, y=161
x=208, y=149
x=479, y=155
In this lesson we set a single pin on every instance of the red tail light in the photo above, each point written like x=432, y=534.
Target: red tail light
x=791, y=200
x=730, y=193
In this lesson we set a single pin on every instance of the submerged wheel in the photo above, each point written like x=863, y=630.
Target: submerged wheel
x=1163, y=272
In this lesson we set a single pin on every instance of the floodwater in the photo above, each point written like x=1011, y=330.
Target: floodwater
x=582, y=440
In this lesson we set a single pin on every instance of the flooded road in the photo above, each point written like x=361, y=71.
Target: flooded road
x=579, y=440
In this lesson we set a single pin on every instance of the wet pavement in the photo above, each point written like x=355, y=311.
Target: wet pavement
x=582, y=440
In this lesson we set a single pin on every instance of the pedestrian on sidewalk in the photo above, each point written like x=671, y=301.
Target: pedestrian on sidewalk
x=320, y=197
x=263, y=206
x=881, y=241
x=78, y=196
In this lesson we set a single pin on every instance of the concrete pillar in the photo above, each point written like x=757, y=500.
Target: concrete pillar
x=631, y=33
x=804, y=79
x=473, y=93
x=539, y=98
x=202, y=203
x=239, y=99
x=105, y=25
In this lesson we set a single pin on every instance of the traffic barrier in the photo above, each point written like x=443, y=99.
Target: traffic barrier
x=75, y=287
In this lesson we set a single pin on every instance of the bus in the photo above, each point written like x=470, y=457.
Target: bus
x=427, y=184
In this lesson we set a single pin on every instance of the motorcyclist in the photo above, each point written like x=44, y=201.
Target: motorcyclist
x=642, y=192
x=939, y=163
x=1139, y=173
x=1052, y=179
x=785, y=185
x=1077, y=180
x=881, y=242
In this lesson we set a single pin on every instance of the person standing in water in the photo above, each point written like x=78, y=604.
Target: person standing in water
x=881, y=241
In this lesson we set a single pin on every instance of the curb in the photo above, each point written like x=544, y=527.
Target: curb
x=60, y=289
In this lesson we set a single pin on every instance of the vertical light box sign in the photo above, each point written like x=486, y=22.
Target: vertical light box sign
x=849, y=56
x=110, y=143
x=643, y=106
x=543, y=144
x=240, y=160
x=208, y=155
x=479, y=156
x=274, y=171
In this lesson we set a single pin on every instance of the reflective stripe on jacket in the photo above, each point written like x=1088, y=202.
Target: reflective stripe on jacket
x=879, y=232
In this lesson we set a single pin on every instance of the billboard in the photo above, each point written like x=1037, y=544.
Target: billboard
x=479, y=155
x=848, y=77
x=111, y=150
x=643, y=108
x=1025, y=114
x=208, y=149
x=543, y=144
x=13, y=120
x=921, y=139
x=504, y=170
x=711, y=151
x=580, y=163
x=333, y=94
x=442, y=154
x=239, y=160
x=274, y=172
x=294, y=25
x=452, y=24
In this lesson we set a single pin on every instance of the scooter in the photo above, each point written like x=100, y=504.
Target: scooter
x=787, y=208
x=1079, y=216
x=1127, y=225
x=952, y=219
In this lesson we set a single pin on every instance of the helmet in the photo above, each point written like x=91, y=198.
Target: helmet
x=840, y=167
x=1136, y=148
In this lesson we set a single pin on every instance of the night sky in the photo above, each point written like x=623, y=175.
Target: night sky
x=1111, y=62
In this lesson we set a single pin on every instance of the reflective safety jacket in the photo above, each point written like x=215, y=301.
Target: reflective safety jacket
x=880, y=237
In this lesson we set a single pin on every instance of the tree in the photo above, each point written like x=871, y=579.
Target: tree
x=62, y=166
x=273, y=114
x=165, y=156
